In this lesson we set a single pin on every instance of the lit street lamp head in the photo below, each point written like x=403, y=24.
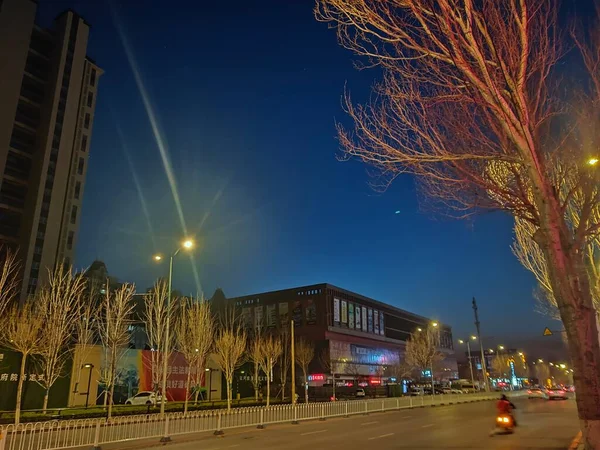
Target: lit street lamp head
x=460, y=341
x=188, y=244
x=157, y=258
x=473, y=338
x=593, y=161
x=434, y=324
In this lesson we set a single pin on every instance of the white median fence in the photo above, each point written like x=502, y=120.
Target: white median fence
x=92, y=433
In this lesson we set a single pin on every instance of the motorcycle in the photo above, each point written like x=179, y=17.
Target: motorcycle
x=505, y=423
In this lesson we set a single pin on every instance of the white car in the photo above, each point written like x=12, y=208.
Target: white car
x=360, y=393
x=144, y=398
x=556, y=392
x=537, y=393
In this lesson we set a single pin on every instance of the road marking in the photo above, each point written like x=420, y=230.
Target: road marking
x=370, y=423
x=234, y=445
x=313, y=432
x=427, y=426
x=382, y=436
x=405, y=417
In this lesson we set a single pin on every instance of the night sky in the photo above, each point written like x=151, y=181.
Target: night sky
x=245, y=95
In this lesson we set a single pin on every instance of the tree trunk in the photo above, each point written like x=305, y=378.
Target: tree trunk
x=256, y=371
x=20, y=390
x=268, y=389
x=571, y=287
x=112, y=385
x=46, y=395
x=187, y=391
x=229, y=383
x=305, y=385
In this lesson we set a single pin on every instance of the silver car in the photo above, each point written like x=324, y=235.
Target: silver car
x=537, y=393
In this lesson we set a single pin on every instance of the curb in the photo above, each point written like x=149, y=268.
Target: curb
x=575, y=442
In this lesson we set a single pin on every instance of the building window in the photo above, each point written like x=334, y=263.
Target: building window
x=83, y=143
x=74, y=215
x=80, y=166
x=93, y=78
x=77, y=190
x=70, y=240
x=37, y=250
x=86, y=122
x=90, y=99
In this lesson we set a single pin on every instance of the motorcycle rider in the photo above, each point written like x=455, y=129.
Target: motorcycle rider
x=505, y=406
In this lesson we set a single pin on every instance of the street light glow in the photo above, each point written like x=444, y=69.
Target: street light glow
x=593, y=161
x=157, y=258
x=460, y=341
x=551, y=364
x=501, y=347
x=435, y=324
x=563, y=366
x=419, y=329
x=540, y=360
x=474, y=338
x=188, y=244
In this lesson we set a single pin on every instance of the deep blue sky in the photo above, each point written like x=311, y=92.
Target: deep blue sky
x=246, y=94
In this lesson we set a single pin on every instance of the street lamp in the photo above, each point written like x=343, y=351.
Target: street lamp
x=501, y=347
x=563, y=366
x=468, y=342
x=593, y=161
x=540, y=360
x=87, y=394
x=187, y=244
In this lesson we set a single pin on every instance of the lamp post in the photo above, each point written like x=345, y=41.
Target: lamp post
x=87, y=394
x=435, y=326
x=210, y=371
x=468, y=342
x=188, y=245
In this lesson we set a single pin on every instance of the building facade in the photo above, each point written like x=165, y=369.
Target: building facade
x=47, y=101
x=355, y=337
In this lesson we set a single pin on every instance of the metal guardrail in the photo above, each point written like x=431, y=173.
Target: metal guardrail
x=92, y=433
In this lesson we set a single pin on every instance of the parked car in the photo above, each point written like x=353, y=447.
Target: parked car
x=360, y=393
x=556, y=393
x=144, y=398
x=447, y=390
x=415, y=391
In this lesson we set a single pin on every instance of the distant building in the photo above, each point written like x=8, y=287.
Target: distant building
x=363, y=337
x=48, y=94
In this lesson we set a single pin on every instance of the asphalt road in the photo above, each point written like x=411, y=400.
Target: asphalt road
x=542, y=425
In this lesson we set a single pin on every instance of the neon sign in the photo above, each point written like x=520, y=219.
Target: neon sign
x=316, y=377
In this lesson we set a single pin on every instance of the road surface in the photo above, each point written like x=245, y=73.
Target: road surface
x=542, y=425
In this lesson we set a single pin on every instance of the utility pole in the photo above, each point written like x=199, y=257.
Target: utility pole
x=483, y=367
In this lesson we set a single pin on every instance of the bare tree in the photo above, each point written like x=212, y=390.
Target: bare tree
x=271, y=350
x=20, y=330
x=399, y=369
x=422, y=351
x=501, y=365
x=255, y=354
x=113, y=328
x=285, y=361
x=469, y=103
x=85, y=324
x=9, y=278
x=158, y=310
x=542, y=372
x=195, y=332
x=57, y=304
x=331, y=366
x=304, y=353
x=230, y=346
x=353, y=368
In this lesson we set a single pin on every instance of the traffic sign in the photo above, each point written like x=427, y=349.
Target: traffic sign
x=547, y=332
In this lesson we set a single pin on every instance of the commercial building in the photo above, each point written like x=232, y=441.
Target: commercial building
x=47, y=99
x=355, y=337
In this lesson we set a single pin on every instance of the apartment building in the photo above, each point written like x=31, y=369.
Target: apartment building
x=48, y=91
